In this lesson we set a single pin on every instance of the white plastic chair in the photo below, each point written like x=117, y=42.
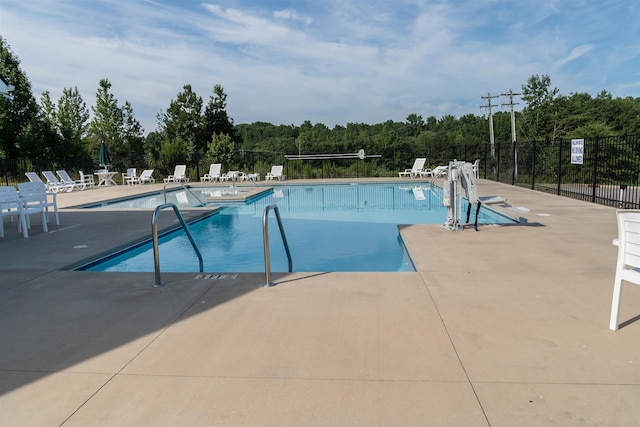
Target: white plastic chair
x=628, y=263
x=37, y=191
x=12, y=204
x=476, y=168
x=87, y=180
x=129, y=177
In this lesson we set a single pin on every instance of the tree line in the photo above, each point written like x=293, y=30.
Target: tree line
x=198, y=133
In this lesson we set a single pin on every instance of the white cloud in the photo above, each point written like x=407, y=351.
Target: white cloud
x=290, y=14
x=576, y=52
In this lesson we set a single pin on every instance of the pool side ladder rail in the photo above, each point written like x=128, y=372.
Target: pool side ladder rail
x=184, y=187
x=265, y=234
x=154, y=233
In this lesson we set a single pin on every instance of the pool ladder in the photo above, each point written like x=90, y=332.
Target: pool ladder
x=154, y=233
x=265, y=233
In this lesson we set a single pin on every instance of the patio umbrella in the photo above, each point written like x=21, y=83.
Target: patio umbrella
x=104, y=156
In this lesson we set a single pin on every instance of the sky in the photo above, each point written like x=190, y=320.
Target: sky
x=326, y=61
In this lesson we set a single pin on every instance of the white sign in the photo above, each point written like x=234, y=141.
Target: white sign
x=577, y=151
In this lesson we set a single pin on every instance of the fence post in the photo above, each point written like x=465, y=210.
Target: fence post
x=513, y=163
x=595, y=169
x=559, y=166
x=498, y=163
x=484, y=166
x=534, y=154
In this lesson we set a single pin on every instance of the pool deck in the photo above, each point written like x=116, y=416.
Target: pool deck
x=506, y=326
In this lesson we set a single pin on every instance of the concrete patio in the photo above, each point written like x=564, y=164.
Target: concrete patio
x=507, y=326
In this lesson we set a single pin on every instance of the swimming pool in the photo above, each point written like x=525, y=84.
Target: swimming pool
x=328, y=227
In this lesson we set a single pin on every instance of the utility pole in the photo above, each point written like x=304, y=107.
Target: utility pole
x=510, y=94
x=491, y=135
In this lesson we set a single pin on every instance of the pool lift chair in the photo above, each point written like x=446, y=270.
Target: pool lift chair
x=460, y=174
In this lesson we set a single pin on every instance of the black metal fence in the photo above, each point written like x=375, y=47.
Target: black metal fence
x=608, y=171
x=602, y=170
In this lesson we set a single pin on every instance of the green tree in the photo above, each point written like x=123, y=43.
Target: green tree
x=181, y=125
x=221, y=149
x=51, y=138
x=215, y=119
x=416, y=122
x=132, y=136
x=21, y=128
x=71, y=119
x=541, y=110
x=106, y=125
x=152, y=147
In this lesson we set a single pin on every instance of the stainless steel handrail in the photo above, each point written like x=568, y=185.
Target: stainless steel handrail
x=164, y=191
x=154, y=233
x=265, y=232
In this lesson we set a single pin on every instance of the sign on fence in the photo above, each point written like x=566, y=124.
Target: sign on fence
x=577, y=151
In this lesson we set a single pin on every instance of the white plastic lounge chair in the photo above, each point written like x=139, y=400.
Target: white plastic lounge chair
x=416, y=170
x=129, y=177
x=38, y=191
x=276, y=173
x=54, y=185
x=87, y=180
x=146, y=176
x=179, y=174
x=33, y=177
x=66, y=179
x=214, y=173
x=439, y=171
x=234, y=176
x=628, y=263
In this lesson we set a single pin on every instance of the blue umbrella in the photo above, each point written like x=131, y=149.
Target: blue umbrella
x=104, y=156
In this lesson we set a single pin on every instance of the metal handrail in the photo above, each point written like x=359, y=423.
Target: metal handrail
x=154, y=233
x=164, y=191
x=265, y=232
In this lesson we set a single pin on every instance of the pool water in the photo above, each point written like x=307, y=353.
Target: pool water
x=328, y=228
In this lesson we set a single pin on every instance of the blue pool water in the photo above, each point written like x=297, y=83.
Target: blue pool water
x=328, y=228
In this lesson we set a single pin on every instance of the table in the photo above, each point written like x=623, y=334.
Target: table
x=105, y=177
